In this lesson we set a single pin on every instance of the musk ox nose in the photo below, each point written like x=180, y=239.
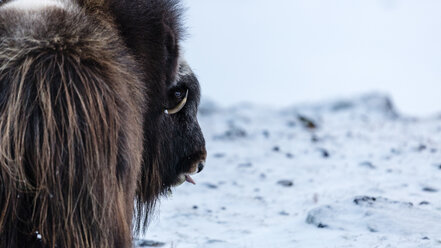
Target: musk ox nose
x=201, y=166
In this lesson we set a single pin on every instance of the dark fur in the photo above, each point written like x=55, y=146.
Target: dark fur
x=141, y=23
x=82, y=127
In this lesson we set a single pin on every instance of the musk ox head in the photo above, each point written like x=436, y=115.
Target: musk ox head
x=186, y=150
x=174, y=147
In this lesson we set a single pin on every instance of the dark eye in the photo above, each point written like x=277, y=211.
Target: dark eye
x=182, y=100
x=179, y=94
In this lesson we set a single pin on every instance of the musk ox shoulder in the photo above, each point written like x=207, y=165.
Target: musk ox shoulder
x=97, y=119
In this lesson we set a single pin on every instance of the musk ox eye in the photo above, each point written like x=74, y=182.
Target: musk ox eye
x=180, y=105
x=178, y=94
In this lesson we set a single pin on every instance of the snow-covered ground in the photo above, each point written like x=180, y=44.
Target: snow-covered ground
x=344, y=173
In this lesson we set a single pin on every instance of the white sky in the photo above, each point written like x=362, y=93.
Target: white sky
x=282, y=52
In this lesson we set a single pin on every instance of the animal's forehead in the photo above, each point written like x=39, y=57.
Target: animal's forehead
x=185, y=75
x=183, y=69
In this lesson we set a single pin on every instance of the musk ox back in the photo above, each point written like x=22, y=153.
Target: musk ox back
x=97, y=109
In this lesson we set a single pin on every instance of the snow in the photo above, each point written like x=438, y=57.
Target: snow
x=341, y=173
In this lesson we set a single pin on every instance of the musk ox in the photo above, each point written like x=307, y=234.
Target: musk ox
x=97, y=119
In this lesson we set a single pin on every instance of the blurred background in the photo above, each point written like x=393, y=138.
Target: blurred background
x=284, y=52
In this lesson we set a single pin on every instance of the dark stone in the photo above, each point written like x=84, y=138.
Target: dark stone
x=307, y=122
x=148, y=243
x=363, y=199
x=430, y=189
x=213, y=241
x=314, y=138
x=210, y=185
x=424, y=203
x=285, y=183
x=421, y=147
x=343, y=105
x=367, y=164
x=283, y=213
x=232, y=133
x=289, y=155
x=325, y=153
x=320, y=225
x=245, y=165
x=195, y=207
x=219, y=155
x=276, y=149
x=235, y=133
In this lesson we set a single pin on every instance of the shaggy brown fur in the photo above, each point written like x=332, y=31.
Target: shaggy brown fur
x=83, y=132
x=71, y=108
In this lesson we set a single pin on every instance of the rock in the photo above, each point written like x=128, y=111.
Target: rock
x=314, y=138
x=364, y=199
x=430, y=189
x=421, y=148
x=210, y=185
x=307, y=122
x=367, y=164
x=233, y=133
x=283, y=213
x=342, y=105
x=245, y=165
x=376, y=214
x=219, y=155
x=213, y=241
x=285, y=183
x=147, y=243
x=312, y=220
x=325, y=153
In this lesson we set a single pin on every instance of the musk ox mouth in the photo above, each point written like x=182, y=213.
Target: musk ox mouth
x=190, y=165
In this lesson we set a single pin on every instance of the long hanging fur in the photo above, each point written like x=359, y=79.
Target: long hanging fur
x=152, y=30
x=71, y=121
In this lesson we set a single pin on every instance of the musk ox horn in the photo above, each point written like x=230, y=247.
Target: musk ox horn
x=179, y=107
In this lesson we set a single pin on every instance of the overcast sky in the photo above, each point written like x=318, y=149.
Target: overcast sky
x=282, y=52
